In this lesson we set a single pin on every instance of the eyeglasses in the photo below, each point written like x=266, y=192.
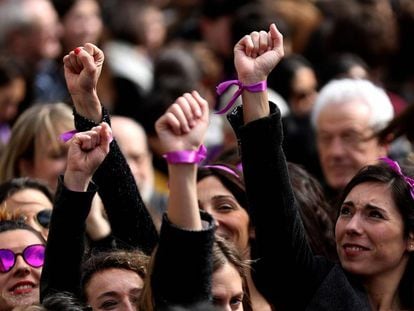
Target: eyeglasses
x=33, y=255
x=42, y=217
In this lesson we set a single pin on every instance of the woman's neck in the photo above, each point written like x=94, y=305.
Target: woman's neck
x=382, y=290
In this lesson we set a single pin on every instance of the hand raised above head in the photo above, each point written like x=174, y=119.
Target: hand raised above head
x=256, y=54
x=87, y=150
x=82, y=68
x=184, y=125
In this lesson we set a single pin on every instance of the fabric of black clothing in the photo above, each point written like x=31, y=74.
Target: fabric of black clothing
x=131, y=224
x=66, y=241
x=183, y=265
x=305, y=281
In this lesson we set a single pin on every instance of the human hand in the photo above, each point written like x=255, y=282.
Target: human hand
x=82, y=68
x=87, y=150
x=256, y=54
x=184, y=125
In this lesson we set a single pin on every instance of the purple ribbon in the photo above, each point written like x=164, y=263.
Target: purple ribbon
x=223, y=168
x=394, y=165
x=254, y=88
x=186, y=156
x=67, y=135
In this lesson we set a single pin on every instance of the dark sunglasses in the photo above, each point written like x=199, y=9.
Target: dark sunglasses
x=33, y=255
x=42, y=217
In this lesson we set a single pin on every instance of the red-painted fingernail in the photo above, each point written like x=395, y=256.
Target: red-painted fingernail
x=77, y=50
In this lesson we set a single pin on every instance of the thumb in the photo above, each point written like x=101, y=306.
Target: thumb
x=106, y=136
x=95, y=52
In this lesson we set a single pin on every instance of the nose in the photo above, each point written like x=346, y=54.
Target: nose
x=21, y=268
x=353, y=227
x=336, y=147
x=129, y=306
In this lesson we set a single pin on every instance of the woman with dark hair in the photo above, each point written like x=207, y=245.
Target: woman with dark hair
x=374, y=231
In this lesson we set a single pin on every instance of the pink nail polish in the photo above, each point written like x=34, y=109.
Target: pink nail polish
x=77, y=51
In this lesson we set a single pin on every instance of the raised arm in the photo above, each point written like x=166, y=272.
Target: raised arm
x=182, y=265
x=130, y=221
x=282, y=250
x=65, y=247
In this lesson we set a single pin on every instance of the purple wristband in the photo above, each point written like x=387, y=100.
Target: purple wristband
x=186, y=156
x=254, y=88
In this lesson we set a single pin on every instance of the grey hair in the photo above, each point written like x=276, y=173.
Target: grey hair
x=341, y=91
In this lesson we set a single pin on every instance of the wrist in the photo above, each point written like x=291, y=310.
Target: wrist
x=76, y=181
x=88, y=105
x=186, y=156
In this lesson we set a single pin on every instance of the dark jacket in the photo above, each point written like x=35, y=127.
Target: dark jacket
x=131, y=224
x=286, y=272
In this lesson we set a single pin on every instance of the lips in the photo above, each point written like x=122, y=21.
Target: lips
x=22, y=288
x=353, y=250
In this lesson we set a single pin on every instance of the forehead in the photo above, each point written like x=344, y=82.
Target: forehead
x=117, y=280
x=343, y=116
x=227, y=281
x=18, y=239
x=27, y=200
x=376, y=194
x=211, y=186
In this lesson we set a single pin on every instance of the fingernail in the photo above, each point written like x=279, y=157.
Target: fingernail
x=77, y=50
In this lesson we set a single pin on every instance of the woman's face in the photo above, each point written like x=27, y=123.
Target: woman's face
x=19, y=286
x=304, y=92
x=231, y=219
x=227, y=288
x=114, y=289
x=83, y=23
x=48, y=162
x=369, y=232
x=27, y=203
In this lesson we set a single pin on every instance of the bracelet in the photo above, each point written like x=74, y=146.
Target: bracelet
x=186, y=156
x=254, y=88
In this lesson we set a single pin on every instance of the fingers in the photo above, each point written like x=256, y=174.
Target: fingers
x=259, y=42
x=184, y=113
x=88, y=57
x=98, y=136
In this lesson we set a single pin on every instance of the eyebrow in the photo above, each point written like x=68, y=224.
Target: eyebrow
x=368, y=206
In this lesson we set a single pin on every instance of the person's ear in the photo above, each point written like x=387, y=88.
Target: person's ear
x=25, y=167
x=410, y=242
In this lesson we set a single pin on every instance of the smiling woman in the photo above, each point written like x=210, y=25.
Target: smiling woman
x=21, y=260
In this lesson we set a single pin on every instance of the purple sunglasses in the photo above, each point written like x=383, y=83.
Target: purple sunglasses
x=33, y=255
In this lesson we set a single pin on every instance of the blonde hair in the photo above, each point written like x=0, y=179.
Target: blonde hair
x=41, y=121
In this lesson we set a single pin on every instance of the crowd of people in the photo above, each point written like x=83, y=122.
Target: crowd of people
x=206, y=155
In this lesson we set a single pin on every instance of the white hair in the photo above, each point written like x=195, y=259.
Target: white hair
x=358, y=91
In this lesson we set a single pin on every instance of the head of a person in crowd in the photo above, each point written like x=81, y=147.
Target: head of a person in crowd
x=216, y=18
x=132, y=141
x=30, y=30
x=81, y=21
x=295, y=80
x=137, y=22
x=221, y=193
x=228, y=283
x=12, y=87
x=375, y=226
x=114, y=280
x=346, y=116
x=343, y=65
x=29, y=200
x=22, y=251
x=35, y=149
